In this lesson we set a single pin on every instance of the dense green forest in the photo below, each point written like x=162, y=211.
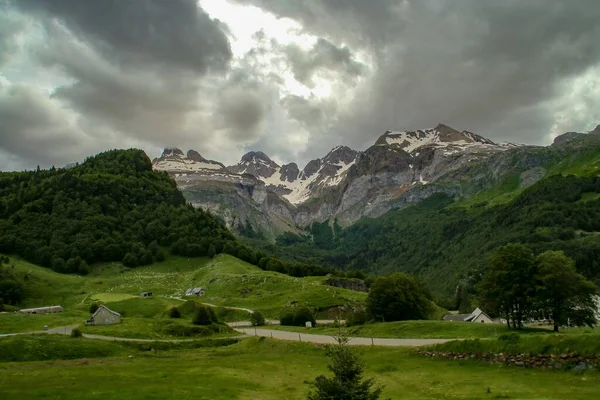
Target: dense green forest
x=447, y=245
x=114, y=207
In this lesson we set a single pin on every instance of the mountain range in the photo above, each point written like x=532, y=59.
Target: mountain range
x=257, y=196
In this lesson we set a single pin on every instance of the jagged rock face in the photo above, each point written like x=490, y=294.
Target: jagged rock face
x=173, y=160
x=289, y=172
x=172, y=152
x=255, y=163
x=195, y=156
x=399, y=169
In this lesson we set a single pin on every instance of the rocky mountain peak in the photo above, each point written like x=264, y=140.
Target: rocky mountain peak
x=254, y=156
x=440, y=136
x=195, y=156
x=289, y=172
x=255, y=163
x=172, y=152
x=340, y=155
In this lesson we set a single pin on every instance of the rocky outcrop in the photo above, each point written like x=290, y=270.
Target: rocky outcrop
x=289, y=172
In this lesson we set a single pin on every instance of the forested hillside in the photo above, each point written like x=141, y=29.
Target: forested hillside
x=446, y=245
x=112, y=207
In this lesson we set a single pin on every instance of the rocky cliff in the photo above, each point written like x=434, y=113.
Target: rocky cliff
x=258, y=195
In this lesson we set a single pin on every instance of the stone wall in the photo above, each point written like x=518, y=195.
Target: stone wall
x=571, y=361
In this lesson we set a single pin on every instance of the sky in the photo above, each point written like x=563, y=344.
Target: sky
x=287, y=77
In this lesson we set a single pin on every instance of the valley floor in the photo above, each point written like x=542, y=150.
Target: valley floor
x=260, y=368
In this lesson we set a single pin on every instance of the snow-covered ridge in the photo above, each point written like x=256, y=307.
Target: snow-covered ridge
x=443, y=137
x=173, y=160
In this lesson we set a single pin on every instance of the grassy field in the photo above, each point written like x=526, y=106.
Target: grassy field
x=16, y=322
x=416, y=329
x=582, y=344
x=264, y=369
x=228, y=282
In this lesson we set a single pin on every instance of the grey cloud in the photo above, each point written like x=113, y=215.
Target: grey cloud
x=241, y=113
x=134, y=72
x=495, y=67
x=174, y=32
x=324, y=55
x=33, y=129
x=9, y=28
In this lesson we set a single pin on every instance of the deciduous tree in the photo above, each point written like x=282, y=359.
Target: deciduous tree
x=563, y=293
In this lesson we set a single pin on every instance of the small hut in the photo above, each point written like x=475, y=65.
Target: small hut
x=104, y=316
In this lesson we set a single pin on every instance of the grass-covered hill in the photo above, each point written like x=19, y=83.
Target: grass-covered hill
x=112, y=207
x=228, y=282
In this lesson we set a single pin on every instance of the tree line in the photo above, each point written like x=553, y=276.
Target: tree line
x=520, y=286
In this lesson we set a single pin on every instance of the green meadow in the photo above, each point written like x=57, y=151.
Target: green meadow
x=266, y=369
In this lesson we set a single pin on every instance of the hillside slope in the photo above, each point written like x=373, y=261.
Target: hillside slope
x=228, y=281
x=113, y=207
x=446, y=244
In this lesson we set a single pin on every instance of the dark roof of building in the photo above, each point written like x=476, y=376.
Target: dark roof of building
x=455, y=317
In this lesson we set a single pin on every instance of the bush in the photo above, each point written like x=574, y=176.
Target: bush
x=174, y=313
x=94, y=307
x=257, y=319
x=287, y=319
x=204, y=316
x=298, y=318
x=303, y=316
x=160, y=256
x=360, y=317
x=76, y=332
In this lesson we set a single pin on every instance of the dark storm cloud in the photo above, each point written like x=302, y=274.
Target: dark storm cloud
x=9, y=28
x=482, y=65
x=324, y=55
x=132, y=72
x=33, y=129
x=174, y=32
x=241, y=112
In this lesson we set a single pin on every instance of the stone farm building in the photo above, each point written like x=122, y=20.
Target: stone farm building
x=42, y=310
x=104, y=316
x=197, y=291
x=476, y=316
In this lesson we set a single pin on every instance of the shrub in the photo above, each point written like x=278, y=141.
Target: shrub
x=174, y=313
x=160, y=256
x=94, y=307
x=303, y=316
x=76, y=332
x=287, y=319
x=360, y=317
x=204, y=316
x=298, y=318
x=257, y=319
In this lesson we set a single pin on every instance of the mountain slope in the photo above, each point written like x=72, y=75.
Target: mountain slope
x=113, y=207
x=446, y=245
x=400, y=169
x=239, y=198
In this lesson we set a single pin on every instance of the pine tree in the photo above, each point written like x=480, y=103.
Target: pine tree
x=347, y=382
